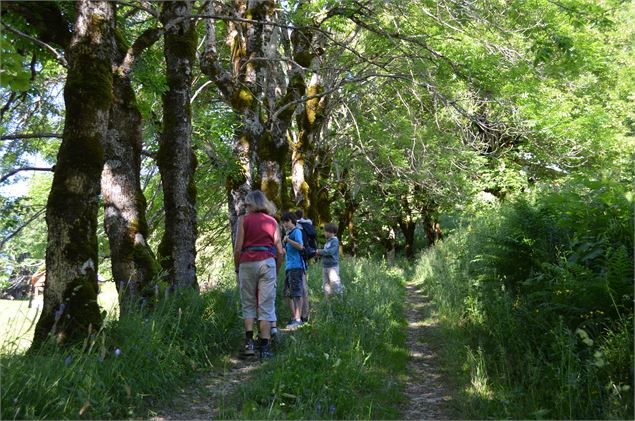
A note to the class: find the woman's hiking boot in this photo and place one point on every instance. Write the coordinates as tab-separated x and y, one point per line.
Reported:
250	348
265	351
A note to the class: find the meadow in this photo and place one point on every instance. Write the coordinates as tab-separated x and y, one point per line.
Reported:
18	317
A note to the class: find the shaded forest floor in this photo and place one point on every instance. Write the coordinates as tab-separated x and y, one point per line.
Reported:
426	394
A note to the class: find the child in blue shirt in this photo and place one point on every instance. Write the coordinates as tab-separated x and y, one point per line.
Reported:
293	284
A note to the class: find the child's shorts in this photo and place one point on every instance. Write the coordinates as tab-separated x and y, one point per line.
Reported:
293	284
331	280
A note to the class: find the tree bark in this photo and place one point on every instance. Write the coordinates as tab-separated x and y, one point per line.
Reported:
408	226
307	159
133	264
176	159
70	295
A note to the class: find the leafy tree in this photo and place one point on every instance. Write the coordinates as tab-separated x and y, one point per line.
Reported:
70	307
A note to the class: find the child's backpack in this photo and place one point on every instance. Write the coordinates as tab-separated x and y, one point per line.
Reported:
309	238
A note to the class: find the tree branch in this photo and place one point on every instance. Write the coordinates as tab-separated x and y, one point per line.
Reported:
17	170
59	57
146	7
21	227
30	136
143	42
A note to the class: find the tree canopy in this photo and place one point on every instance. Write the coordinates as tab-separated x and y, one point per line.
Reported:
380	116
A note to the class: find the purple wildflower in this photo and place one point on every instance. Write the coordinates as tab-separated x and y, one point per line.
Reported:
117	352
333	409
59	311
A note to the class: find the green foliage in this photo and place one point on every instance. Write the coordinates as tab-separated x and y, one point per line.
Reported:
345	363
13	75
130	363
540	292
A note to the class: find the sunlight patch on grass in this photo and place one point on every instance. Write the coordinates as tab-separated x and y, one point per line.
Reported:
18	320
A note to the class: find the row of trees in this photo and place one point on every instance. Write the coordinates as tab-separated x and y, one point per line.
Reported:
374	114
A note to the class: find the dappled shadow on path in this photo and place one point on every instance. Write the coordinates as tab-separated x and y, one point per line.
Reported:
426	390
205	398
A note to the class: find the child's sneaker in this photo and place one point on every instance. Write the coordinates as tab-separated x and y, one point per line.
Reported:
294	324
250	348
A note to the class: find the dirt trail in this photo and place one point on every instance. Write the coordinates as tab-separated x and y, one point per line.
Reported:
426	393
427	396
203	399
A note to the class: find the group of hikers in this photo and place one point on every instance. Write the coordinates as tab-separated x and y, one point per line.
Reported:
260	250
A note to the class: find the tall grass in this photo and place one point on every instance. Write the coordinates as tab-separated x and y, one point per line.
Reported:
538	295
141	358
345	364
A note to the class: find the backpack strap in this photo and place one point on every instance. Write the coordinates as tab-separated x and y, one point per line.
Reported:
304	263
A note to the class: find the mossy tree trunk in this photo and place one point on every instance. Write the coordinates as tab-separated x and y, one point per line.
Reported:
134	266
239	89
262	93
176	158
70	309
308	159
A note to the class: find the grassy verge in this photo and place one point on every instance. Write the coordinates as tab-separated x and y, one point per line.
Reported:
139	359
535	301
345	364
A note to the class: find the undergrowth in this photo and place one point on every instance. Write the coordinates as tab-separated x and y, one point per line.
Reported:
536	300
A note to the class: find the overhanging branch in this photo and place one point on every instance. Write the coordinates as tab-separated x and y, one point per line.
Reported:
19	136
17	170
21	227
58	56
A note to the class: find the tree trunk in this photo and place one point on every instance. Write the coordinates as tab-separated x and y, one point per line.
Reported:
262	94
70	309
312	193
176	159
133	264
407	225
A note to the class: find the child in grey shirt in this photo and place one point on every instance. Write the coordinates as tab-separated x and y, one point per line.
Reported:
330	261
